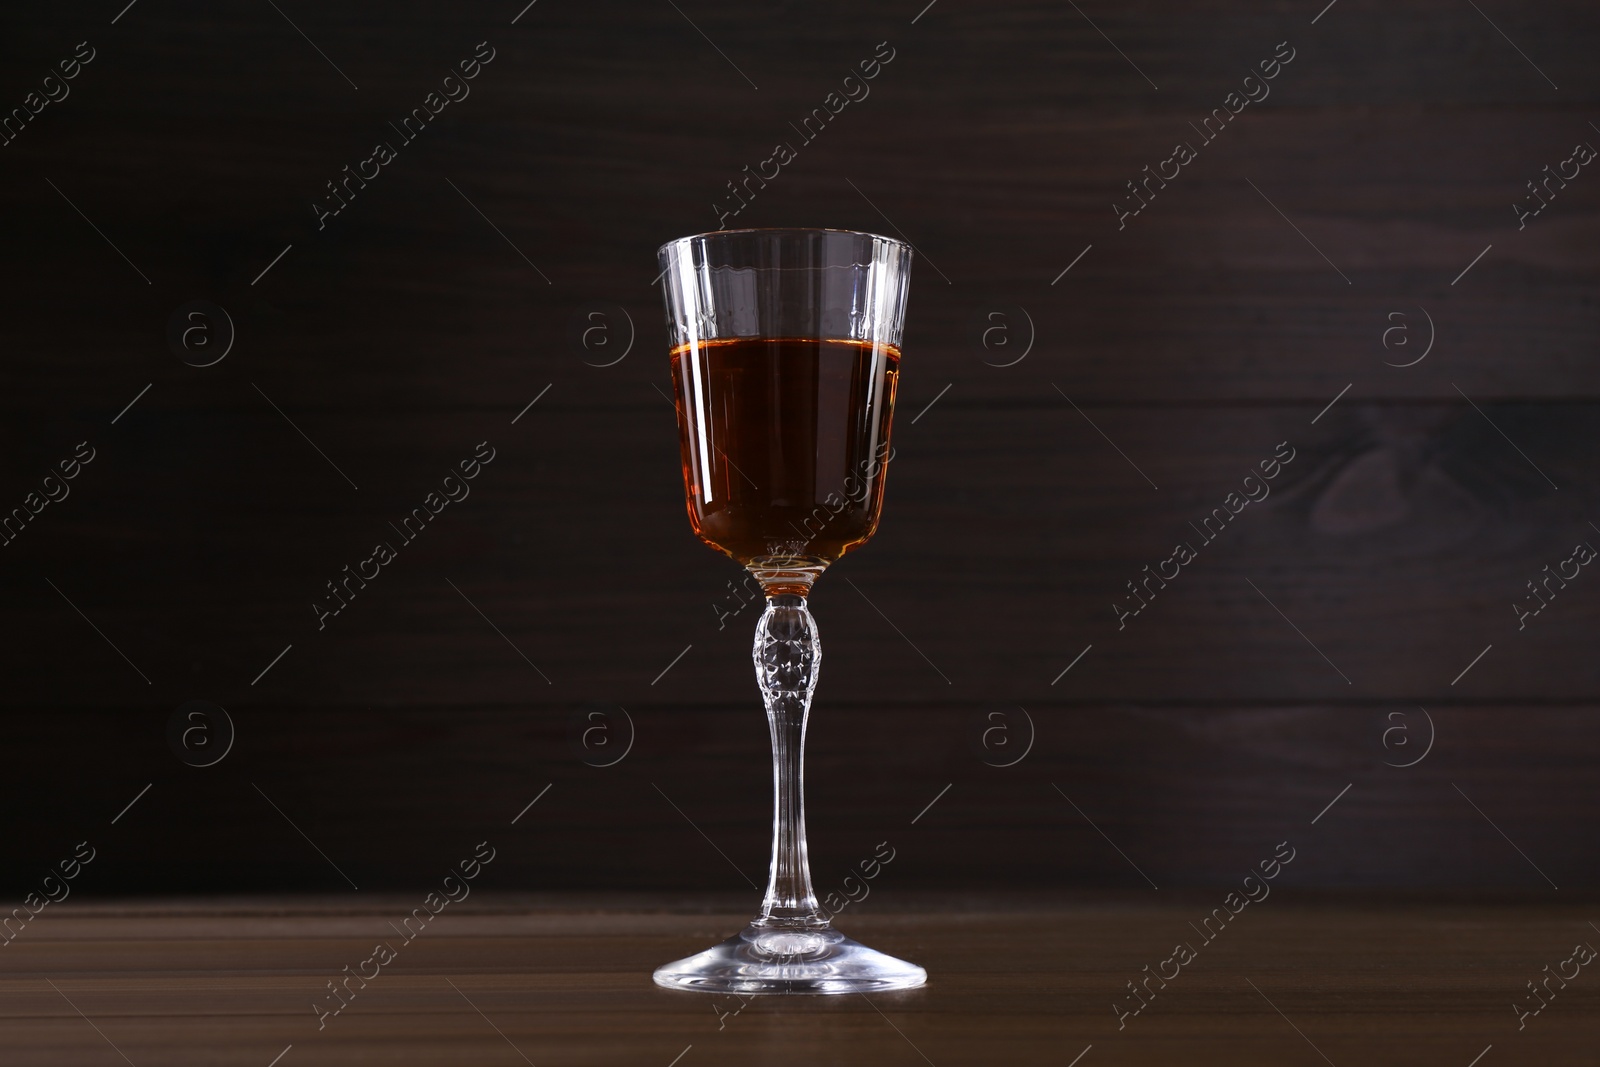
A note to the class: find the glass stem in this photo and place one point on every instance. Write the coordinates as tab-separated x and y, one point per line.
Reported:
787	657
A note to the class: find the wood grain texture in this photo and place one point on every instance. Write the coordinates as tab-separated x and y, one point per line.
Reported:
1247	305
1121	796
996	140
1020	980
1396	541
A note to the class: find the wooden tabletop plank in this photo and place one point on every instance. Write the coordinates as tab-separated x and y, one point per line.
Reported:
1358	979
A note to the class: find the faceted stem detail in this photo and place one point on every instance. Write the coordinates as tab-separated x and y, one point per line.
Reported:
788	656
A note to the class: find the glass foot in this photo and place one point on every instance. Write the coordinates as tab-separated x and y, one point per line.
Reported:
768	960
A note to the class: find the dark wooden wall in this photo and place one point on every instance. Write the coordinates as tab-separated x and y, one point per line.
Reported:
1220	321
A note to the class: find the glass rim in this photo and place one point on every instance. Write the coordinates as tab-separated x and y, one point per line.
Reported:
775	230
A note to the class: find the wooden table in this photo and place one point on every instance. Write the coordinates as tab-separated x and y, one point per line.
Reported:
1297	979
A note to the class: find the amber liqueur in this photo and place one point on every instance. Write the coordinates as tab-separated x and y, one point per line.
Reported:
785	446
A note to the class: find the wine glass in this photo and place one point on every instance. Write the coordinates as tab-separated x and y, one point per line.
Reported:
785	355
